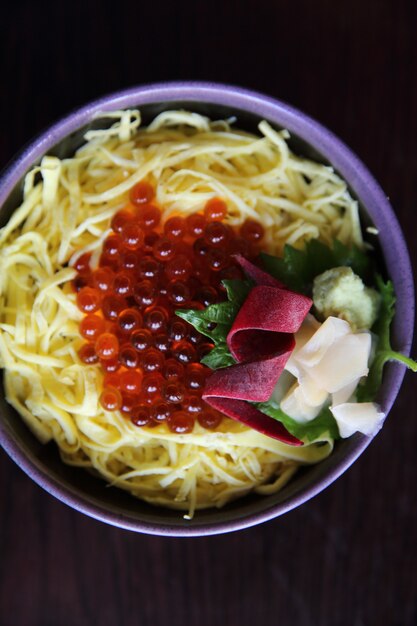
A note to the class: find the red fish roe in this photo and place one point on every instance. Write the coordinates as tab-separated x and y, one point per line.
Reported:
102	279
111	399
128	356
181	422
252	231
148	269
215	210
141	193
107	346
120	219
88	354
91	326
82	264
195	224
175	228
88	299
150	216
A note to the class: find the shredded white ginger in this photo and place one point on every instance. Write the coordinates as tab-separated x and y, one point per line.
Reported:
66	211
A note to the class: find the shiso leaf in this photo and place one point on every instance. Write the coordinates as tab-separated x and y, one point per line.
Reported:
384	352
297	269
323	424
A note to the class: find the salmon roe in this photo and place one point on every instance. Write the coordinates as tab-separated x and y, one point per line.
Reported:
148	268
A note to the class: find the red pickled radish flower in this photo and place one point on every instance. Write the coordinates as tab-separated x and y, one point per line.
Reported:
250	416
261	340
256	274
268	317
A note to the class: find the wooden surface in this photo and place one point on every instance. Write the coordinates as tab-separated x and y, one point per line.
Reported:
347	558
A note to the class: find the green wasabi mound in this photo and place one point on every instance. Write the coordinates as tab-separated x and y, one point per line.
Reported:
339	292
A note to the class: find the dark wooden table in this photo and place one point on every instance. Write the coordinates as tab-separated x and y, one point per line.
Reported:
347	558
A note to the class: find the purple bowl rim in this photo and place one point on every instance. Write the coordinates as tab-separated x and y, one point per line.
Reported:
350	167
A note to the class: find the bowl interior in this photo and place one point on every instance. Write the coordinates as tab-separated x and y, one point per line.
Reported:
91	495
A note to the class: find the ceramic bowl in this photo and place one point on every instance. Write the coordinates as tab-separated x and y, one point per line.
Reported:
90	495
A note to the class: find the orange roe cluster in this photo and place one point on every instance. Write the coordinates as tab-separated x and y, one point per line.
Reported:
147	270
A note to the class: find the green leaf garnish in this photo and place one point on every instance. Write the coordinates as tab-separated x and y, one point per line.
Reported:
384	352
237	291
198	319
323	424
218	357
297	269
216	320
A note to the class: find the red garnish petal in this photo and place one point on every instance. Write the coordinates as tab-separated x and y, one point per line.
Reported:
250	416
256	274
266	309
261	340
253	381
